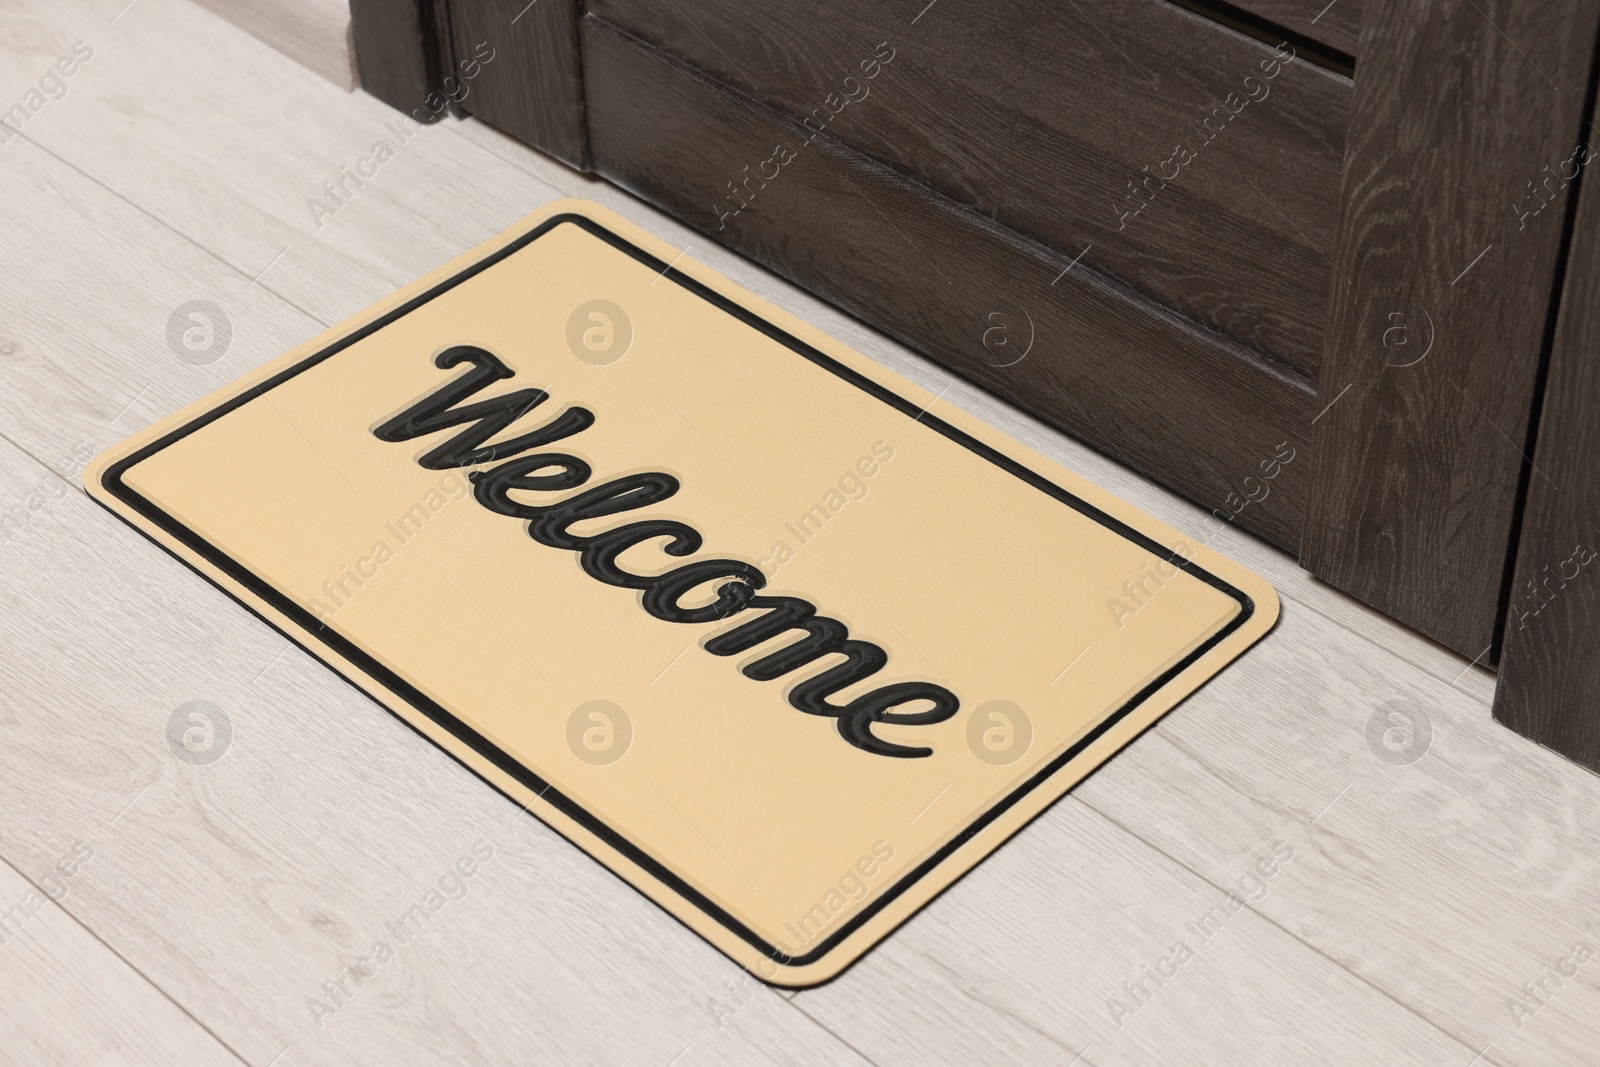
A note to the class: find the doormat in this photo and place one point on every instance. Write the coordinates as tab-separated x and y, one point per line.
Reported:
778	637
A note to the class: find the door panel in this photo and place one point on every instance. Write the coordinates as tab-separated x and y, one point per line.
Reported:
1070	123
1187	407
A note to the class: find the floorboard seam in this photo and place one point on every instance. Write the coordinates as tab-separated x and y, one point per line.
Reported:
82	925
165	225
1415	1012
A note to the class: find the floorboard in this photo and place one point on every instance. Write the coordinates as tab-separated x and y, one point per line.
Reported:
69	1000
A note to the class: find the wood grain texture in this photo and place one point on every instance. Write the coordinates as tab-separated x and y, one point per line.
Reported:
533	88
69	1000
397	52
1549	674
1028	953
1083	352
1334	24
1052	119
316	33
258	196
1459	110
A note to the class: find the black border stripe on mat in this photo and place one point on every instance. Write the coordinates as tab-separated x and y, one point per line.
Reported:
114	484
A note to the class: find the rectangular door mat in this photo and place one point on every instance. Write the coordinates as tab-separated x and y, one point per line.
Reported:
767	630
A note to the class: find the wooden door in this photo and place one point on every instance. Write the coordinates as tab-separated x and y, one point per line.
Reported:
1297	267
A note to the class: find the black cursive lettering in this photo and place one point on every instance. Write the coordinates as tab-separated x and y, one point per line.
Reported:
733	583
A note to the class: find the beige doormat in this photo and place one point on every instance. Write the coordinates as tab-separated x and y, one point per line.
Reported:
770	632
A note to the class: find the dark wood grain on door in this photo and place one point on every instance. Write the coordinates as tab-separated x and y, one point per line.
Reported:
399	53
1070	123
532	88
1335	24
1191	408
1549	686
1440	301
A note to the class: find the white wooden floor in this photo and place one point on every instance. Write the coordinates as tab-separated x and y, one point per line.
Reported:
1426	913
